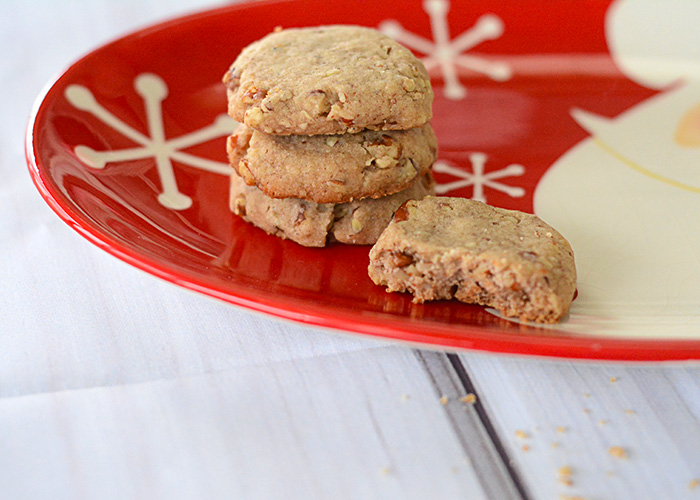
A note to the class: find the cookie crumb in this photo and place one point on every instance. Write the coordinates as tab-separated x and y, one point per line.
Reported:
555	445
566	470
469	398
617	452
521	434
586	395
277	29
443	400
561	429
586	410
566	481
526	447
630	412
613	379
564	475
602	421
384	471
405	397
693	484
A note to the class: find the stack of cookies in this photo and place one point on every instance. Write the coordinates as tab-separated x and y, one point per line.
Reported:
333	133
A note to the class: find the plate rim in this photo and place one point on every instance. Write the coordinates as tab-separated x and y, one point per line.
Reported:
557	346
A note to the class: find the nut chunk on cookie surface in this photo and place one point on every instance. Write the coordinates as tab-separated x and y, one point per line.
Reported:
440	248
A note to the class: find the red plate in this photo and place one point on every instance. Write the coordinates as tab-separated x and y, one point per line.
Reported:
128	147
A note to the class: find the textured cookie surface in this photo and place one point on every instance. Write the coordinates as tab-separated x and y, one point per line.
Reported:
314	224
328	80
332	168
440	248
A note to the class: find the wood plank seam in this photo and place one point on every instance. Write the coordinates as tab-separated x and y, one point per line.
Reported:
485	420
473	429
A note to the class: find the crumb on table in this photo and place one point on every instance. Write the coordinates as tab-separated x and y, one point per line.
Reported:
469	398
617	452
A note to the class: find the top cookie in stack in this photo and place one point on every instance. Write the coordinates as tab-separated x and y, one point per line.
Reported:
334	133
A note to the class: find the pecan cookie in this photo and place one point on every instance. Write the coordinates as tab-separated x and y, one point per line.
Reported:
441	247
332	168
314	224
328	80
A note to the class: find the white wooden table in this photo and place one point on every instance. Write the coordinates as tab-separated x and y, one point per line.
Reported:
114	384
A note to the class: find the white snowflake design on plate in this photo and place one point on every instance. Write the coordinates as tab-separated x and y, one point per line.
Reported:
478	179
153	91
449	54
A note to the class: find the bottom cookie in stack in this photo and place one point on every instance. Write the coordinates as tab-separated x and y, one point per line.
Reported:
359	222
